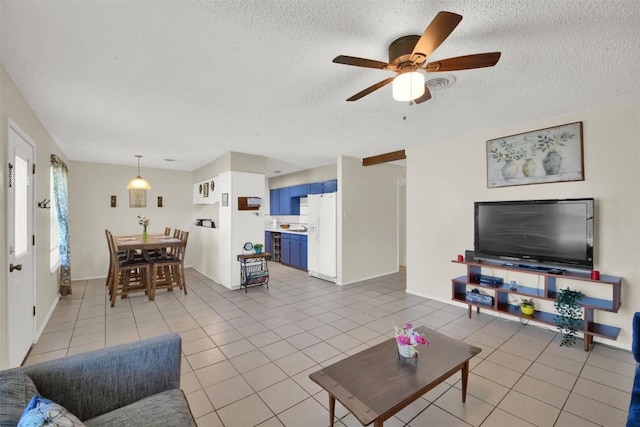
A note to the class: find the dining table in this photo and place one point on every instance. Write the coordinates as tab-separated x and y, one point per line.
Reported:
134	242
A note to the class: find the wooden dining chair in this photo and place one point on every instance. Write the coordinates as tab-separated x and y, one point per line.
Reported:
168	270
127	275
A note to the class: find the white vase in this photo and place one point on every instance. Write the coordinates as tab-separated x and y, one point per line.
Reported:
407	351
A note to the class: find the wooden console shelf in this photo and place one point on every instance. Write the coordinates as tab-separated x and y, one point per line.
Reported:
547	292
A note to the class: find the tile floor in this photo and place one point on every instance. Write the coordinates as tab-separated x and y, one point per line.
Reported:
247	356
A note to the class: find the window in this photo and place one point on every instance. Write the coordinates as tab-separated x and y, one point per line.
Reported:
54	242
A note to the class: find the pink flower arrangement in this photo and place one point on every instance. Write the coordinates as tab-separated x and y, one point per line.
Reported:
405	335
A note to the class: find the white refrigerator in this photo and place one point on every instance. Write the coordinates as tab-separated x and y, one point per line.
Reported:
322	236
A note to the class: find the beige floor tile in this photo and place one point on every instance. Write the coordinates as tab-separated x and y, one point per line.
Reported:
272	422
321	352
486	390
540	390
497	373
278	349
197	346
602	393
412	410
303	340
295	363
435	416
226	337
608	378
283	395
473	411
199	403
343	342
595	411
237	348
531	410
249	411
511	361
248	361
303	380
308	413
192	335
215	373
264	338
264	376
500	418
43	357
189	382
551	375
209	420
558	362
228	391
567	419
96	345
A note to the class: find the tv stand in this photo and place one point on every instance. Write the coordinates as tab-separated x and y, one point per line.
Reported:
501	294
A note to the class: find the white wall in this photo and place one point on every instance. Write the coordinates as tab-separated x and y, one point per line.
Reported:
368	226
445	178
90	188
13	105
236	226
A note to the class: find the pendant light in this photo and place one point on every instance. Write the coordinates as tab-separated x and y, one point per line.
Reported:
138	183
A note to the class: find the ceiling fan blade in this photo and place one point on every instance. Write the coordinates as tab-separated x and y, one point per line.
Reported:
437	31
360	62
370	89
468	62
425	96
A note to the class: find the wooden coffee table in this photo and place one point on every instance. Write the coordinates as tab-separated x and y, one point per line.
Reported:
375	384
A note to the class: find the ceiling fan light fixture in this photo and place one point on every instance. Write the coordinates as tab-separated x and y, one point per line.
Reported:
138	183
408	86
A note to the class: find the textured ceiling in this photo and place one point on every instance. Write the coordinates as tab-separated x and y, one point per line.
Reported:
192	80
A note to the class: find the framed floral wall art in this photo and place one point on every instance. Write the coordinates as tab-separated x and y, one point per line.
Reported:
137	199
545	155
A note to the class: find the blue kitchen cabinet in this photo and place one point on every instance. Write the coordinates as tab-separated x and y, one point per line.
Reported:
268	242
330	186
316	188
294	248
274	202
285	248
284	201
303	252
299	190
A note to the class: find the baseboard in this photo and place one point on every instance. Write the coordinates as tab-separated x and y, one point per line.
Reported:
47	318
362	279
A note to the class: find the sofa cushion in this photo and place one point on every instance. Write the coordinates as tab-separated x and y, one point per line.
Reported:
169	408
41	412
16	390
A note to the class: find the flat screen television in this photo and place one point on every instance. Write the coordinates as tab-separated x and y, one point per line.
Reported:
558	232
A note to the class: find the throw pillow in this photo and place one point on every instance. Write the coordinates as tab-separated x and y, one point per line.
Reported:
42	412
16	389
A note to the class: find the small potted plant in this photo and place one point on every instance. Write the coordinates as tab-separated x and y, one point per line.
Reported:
527	306
258	248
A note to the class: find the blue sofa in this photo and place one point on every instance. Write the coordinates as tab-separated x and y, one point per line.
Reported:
634	407
134	384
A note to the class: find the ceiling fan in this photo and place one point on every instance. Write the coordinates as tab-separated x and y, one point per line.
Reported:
407	56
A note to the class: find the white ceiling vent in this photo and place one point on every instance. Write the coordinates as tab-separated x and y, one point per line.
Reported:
440	82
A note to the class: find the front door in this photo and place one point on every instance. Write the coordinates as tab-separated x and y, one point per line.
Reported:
20	241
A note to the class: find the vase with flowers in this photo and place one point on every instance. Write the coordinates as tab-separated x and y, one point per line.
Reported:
143	221
408	340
